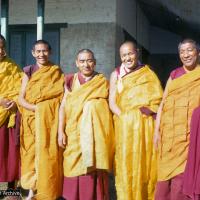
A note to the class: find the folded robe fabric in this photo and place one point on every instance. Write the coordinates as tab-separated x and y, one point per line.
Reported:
89	128
135	157
10	79
183	97
41	159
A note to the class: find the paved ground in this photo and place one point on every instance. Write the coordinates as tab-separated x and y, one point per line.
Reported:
112	192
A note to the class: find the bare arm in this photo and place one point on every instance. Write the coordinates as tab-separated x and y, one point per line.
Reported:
62	122
112	94
22	100
158	117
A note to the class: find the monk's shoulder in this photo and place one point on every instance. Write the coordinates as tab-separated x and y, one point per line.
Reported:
68	78
115	73
150	70
56	67
179	71
10	63
151	74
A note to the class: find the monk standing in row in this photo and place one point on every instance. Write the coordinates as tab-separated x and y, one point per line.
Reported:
135	94
41	93
172	134
10	83
86	132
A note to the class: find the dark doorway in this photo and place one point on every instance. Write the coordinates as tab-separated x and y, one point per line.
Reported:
21	39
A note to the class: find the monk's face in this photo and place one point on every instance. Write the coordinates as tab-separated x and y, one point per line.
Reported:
2	50
129	55
85	63
41	53
189	55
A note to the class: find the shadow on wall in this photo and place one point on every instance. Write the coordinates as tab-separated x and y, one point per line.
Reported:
163	64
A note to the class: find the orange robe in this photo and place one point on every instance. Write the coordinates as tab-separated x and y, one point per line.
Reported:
41	159
10	78
10	83
135	156
89	128
183	96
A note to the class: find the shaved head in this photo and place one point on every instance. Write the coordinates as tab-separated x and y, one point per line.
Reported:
129	54
85	51
128	43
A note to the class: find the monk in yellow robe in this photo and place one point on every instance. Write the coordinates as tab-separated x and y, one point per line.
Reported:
135	93
86	132
172	133
40	97
10	83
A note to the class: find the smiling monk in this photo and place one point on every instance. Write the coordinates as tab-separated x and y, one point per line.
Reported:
172	133
135	93
41	93
86	132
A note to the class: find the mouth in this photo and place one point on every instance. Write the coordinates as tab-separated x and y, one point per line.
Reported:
188	60
42	59
87	69
129	63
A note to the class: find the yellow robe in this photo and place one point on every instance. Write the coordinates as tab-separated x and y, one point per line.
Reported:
41	159
10	83
183	96
135	157
89	128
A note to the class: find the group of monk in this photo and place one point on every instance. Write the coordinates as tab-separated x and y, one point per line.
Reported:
61	135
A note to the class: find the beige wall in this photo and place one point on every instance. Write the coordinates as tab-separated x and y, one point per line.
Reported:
63	11
22	11
100	38
91	24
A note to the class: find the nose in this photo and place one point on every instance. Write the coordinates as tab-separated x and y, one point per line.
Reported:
85	64
127	57
185	54
41	53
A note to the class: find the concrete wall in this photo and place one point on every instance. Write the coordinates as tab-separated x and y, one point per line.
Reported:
118	41
100	38
163	52
131	18
63	11
22	12
91	24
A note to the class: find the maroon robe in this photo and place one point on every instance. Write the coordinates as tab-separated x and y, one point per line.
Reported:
191	182
9	144
9	151
29	70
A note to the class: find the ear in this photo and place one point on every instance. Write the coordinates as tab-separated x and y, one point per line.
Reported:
76	63
33	53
